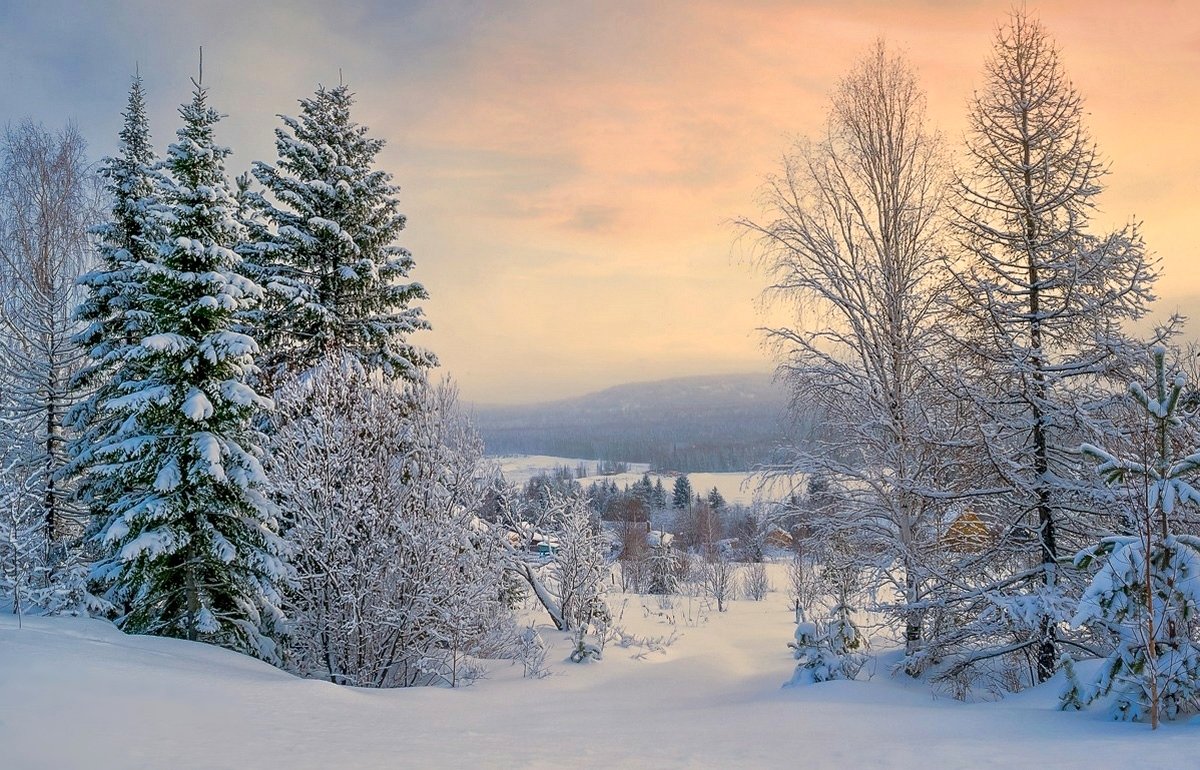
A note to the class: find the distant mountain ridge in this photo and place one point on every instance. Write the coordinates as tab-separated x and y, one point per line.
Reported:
687	424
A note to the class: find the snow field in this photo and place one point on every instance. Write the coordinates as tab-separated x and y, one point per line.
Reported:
78	693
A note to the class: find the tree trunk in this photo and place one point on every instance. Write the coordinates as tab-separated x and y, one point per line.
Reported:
193	597
543	595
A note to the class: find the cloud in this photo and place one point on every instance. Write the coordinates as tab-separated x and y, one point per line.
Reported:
569	168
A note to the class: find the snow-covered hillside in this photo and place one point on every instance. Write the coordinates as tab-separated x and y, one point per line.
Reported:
79	694
706	423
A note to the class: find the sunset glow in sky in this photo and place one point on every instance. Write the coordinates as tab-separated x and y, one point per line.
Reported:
569	169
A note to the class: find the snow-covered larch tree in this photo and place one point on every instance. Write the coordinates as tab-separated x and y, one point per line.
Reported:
855	245
192	546
1146	594
1041	345
325	250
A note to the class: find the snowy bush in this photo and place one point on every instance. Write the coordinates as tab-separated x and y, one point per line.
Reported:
579	575
399	583
720	577
531	652
21	549
836	651
804	583
755	581
662	566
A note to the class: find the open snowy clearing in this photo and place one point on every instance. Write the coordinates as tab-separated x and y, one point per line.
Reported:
78	693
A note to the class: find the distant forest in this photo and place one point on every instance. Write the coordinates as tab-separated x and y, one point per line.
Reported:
688	425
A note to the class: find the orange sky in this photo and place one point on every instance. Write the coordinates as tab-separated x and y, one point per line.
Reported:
569	169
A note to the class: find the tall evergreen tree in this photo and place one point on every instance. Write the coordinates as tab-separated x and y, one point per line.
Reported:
193	544
325	249
660	495
682	493
111	310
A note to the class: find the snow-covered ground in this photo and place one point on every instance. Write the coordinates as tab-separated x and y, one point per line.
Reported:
737	487
79	694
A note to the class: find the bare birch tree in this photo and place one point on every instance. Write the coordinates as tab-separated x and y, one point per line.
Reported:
49	200
854	243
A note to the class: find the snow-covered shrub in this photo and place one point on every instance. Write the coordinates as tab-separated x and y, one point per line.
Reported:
21	549
579	574
834	651
804	583
571	580
531	652
37	574
755	581
586	648
662	566
399	583
720	577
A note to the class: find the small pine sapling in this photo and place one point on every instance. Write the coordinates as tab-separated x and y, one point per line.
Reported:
835	652
1145	593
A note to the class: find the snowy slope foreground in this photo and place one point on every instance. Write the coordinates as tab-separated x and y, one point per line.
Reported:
79	694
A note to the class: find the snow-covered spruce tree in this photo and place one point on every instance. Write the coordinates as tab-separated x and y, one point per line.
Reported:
681	494
325	252
398	581
855	246
192	547
1146	593
112	309
660	496
49	199
828	643
1040	343
663	566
